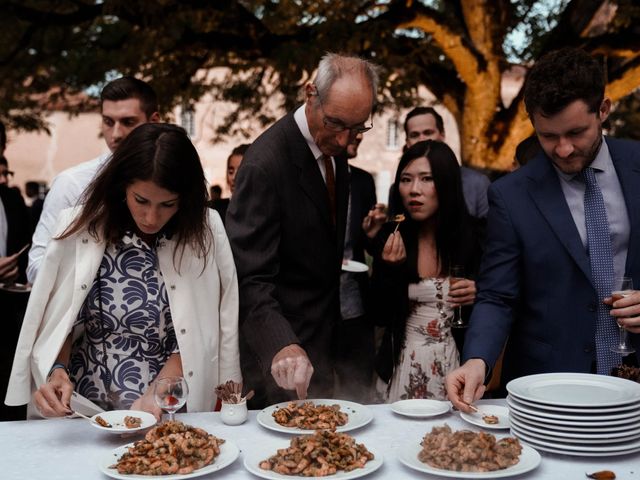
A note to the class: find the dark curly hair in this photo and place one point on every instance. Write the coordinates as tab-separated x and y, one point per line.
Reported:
562	77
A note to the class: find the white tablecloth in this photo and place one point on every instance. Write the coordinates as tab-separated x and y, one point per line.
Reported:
68	449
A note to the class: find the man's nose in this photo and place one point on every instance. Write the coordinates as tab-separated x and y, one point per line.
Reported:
343	138
564	148
118	131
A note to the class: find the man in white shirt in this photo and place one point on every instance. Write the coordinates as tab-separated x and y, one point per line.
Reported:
125	103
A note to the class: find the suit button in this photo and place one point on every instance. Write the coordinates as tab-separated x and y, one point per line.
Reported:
84	240
83	286
592	307
183	331
172	287
190	374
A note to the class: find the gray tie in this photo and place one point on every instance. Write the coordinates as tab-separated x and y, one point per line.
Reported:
601	259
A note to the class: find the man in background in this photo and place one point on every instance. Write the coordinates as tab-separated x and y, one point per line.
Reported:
353	344
425	123
125	103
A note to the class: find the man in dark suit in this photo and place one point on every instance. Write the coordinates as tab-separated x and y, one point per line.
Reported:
548	268
286	224
353	342
15	233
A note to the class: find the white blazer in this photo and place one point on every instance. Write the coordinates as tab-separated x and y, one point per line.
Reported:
204	310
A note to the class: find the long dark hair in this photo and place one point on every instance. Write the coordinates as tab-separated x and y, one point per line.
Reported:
157	152
453	224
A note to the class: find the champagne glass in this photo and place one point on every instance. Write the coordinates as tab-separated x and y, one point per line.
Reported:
171	394
457	274
622	287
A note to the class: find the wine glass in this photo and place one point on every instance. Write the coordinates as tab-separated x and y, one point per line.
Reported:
622	287
171	394
457	274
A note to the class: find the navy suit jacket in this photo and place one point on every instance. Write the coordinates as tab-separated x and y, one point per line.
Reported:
535	286
288	255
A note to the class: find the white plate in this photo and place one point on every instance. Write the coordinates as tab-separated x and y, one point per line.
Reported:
574	439
579	428
578	422
253	459
476	418
229	451
616	449
577	454
116	419
582	436
359	416
575	389
408	454
586	417
419	408
585	410
355	267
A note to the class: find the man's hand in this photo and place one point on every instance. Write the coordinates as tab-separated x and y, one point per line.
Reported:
465	384
462	292
374	220
53	398
394	251
9	268
627	311
292	369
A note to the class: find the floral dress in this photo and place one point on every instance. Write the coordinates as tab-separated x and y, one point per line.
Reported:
429	352
131	324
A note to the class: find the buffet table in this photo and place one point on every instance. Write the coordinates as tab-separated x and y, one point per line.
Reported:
69	449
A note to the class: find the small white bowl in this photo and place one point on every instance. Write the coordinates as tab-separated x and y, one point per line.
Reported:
234	413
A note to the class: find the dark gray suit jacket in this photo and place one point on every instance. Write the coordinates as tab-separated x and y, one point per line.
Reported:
288	254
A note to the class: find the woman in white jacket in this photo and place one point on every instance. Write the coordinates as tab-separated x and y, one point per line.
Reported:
138	284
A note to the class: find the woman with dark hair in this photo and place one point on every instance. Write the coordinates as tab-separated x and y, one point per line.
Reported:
413	297
138	284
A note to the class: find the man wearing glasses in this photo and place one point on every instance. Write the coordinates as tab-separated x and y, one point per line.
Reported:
286	224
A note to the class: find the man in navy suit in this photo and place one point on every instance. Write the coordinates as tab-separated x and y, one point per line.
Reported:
536	287
286	224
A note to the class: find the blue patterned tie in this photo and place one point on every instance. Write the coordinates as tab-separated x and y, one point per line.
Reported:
601	259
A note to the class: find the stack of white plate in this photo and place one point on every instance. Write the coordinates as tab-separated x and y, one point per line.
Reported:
576	413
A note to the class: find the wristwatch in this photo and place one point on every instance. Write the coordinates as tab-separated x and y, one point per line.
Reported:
56	366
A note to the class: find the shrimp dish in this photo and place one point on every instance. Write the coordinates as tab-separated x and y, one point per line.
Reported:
308	416
170	448
318	455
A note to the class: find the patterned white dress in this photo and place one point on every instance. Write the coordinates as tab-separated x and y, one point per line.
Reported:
429	352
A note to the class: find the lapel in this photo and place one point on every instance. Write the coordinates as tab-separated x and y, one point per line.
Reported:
627	165
546	192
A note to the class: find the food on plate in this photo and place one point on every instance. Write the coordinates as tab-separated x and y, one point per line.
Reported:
102	422
628	372
467	451
308	416
132	422
170	448
490	419
602	475
323	453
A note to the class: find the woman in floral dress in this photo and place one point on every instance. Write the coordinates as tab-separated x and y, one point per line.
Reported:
139	283
411	290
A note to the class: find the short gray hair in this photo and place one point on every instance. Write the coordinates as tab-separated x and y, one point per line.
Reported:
333	66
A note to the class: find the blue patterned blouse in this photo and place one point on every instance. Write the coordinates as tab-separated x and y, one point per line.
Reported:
135	326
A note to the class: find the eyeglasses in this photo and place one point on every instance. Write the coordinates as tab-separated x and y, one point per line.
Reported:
337	126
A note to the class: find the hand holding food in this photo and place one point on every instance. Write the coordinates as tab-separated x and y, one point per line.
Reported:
394	251
465	384
292	370
376	217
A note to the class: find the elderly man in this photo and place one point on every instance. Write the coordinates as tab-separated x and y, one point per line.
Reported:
125	103
560	229
286	223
